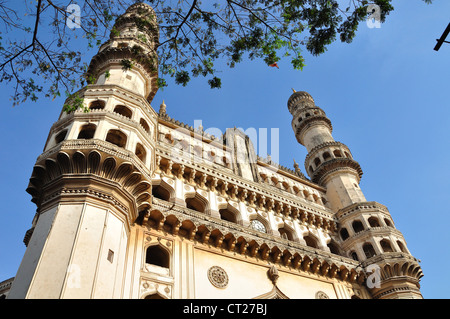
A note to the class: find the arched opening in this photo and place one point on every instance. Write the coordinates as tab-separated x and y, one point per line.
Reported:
386	246
97	105
357	226
388	222
228	215
61	136
140	152
373	221
145	125
286	233
337	153
326	156
402	247
195	204
344	233
354	256
369	251
116	137
158	256
317	161
160	192
87	131
123	110
310	241
334	248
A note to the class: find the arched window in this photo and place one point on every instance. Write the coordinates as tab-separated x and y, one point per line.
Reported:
354	256
337	153
386	246
228	215
310	241
141	152
326	156
344	233
117	138
97	105
123	110
357	226
401	246
61	136
334	248
373	221
195	204
368	250
87	131
160	192
286	233
317	161
158	256
388	222
144	125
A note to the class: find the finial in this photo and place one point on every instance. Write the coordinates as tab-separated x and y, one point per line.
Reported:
162	108
294	90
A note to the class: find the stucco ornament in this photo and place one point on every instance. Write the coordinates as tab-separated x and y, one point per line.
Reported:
218	277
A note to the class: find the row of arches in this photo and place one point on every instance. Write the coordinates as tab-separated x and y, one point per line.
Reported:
385	247
326	156
114	136
119	109
357	226
231	214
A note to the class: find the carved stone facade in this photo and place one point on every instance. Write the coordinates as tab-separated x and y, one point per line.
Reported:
134	204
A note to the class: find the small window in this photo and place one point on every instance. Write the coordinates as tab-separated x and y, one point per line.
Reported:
145	125
368	250
373	221
97	105
158	256
317	161
141	152
123	110
110	256
87	131
160	192
386	246
117	137
227	215
344	233
357	226
326	156
354	256
337	153
61	136
311	242
195	204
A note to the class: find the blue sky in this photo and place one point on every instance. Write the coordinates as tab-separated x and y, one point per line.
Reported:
386	94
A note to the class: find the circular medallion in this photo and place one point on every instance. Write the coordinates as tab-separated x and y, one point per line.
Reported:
218	277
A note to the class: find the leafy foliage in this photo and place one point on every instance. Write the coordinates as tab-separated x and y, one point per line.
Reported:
194	35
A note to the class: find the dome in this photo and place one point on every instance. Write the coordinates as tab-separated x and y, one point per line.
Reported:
298	98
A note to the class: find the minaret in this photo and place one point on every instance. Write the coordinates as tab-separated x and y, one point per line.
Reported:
366	229
329	163
93	180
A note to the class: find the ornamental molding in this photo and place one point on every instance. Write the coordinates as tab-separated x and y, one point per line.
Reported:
218	277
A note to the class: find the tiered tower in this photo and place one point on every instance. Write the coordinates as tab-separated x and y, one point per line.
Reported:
93	179
366	228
